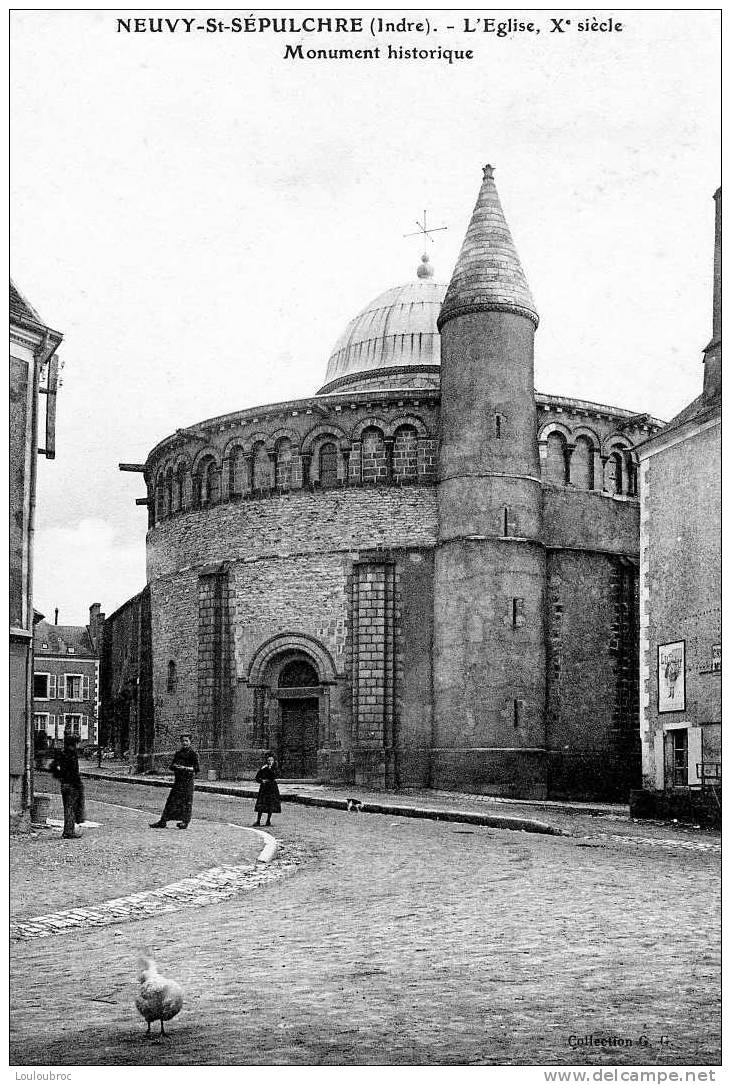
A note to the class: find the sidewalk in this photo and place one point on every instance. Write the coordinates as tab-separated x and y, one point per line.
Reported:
528	815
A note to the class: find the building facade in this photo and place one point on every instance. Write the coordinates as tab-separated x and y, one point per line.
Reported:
680	578
33	377
127	711
424	575
66	686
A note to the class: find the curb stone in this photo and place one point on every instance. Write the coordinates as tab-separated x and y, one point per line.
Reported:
494	821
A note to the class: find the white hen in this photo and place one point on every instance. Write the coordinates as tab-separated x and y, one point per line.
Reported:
160	999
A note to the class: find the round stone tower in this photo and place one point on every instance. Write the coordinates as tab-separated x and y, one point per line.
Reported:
490	568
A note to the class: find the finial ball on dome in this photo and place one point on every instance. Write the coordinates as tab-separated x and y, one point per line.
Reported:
425	270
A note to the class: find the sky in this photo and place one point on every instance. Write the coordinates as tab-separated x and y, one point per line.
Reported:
201	218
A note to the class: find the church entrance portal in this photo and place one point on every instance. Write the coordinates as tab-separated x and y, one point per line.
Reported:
300	718
298	751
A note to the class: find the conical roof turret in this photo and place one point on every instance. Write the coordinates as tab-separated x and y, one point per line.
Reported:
488	275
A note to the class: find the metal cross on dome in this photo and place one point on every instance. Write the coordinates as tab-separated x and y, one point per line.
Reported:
426	230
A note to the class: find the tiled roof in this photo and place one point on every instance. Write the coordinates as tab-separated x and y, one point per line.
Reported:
20	308
699	410
488	274
59	638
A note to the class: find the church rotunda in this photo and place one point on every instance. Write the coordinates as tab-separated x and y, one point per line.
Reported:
423	575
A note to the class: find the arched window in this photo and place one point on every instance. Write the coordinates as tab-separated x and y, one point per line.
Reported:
556	460
373	456
208	482
298	672
169	509
159	498
613	474
283	464
180	497
236	472
262	468
405	452
582	464
328	464
172	677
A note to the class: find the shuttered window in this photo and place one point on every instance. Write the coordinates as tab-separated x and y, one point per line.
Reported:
73	687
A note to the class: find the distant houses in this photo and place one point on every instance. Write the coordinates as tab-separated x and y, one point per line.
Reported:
66	686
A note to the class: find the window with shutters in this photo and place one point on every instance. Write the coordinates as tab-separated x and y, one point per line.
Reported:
40	687
40	721
72	724
74	687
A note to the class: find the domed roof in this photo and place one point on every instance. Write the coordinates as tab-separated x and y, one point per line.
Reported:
397	329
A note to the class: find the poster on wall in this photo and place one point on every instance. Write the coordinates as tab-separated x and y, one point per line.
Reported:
671	677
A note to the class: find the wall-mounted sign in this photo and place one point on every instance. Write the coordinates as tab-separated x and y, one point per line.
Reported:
671	677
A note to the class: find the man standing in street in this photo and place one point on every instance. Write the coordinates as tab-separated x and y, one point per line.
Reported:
180	800
66	770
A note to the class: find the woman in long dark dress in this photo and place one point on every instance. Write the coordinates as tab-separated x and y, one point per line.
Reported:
267	801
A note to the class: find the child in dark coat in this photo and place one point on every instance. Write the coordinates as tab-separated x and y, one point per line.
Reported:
267	801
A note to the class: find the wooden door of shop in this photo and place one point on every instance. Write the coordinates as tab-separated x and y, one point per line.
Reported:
300	722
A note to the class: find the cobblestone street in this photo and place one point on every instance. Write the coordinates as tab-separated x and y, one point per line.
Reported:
397	941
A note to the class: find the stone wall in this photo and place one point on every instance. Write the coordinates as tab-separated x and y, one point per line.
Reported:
681	574
127	709
592	710
262	542
289	563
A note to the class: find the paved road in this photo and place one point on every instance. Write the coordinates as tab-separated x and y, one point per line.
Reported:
400	942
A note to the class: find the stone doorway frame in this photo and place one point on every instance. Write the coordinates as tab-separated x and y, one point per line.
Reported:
263	674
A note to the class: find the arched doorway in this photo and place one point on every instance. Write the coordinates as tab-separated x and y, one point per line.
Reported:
298	690
291	676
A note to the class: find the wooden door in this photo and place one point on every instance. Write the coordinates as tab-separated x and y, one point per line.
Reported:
300	724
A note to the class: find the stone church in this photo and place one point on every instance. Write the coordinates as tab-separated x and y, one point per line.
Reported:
426	574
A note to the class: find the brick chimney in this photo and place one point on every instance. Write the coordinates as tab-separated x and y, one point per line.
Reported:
96	625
